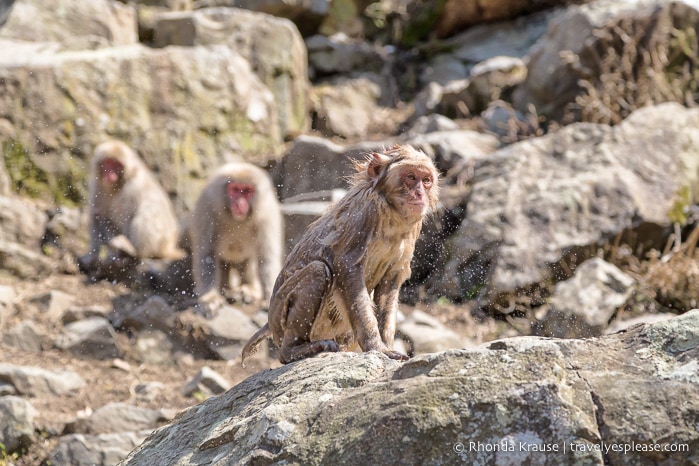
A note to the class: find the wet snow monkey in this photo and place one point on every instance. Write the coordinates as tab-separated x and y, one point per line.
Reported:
236	226
339	286
126	199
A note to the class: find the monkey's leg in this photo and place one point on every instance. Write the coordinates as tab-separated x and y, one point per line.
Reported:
302	294
250	286
212	282
386	301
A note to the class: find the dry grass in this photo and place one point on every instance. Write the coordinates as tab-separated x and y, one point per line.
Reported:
674	275
638	61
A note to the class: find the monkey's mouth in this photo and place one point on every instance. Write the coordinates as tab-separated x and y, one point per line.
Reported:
417	206
417	203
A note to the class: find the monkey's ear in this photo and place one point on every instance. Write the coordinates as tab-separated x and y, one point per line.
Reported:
377	162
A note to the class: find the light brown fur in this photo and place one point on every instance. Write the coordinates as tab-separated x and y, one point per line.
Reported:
220	243
339	286
136	206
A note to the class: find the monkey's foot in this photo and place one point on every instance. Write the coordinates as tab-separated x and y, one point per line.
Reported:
210	304
396	355
305	350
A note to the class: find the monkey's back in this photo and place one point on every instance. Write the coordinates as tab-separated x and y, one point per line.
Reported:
339	235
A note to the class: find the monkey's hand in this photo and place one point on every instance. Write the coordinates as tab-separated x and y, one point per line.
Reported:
209	304
383	348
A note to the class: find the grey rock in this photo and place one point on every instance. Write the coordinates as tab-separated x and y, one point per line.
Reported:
444	69
454	149
74	314
53	304
273	47
488	81
540	392
153	347
93	337
507	123
118	417
16	423
227	332
313	164
22	261
95	450
507	38
185	109
626	324
537	202
25	336
346	106
71	21
68	229
8	296
21	221
583	305
307	15
425	334
427	100
552	58
207	381
35	381
340	54
154	314
148	391
431	124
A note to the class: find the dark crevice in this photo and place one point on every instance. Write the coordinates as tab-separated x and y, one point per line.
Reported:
599	414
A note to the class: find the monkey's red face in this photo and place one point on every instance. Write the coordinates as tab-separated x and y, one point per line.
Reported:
417	183
111	171
240	197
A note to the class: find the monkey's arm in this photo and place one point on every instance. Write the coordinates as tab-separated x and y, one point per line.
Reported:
386	301
357	303
101	232
204	255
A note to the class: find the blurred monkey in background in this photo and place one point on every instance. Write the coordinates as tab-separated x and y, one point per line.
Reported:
236	236
128	209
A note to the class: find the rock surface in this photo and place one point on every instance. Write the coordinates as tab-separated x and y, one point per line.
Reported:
525	201
541	401
591	181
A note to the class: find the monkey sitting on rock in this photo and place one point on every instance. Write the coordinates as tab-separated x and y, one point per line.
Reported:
338	288
130	214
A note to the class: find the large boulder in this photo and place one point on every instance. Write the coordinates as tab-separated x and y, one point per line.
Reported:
523	400
577	69
184	109
546	200
273	47
75	23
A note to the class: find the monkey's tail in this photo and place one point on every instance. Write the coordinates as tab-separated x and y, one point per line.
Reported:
254	341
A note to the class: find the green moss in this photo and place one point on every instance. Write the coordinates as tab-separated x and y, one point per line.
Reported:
28	179
250	139
69	187
680	207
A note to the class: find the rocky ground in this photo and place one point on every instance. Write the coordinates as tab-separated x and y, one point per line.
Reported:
121	380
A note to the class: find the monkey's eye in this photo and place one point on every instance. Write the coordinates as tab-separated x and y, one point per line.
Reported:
411	177
427	181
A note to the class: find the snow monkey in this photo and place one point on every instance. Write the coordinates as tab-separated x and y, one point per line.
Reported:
126	199
339	286
236	226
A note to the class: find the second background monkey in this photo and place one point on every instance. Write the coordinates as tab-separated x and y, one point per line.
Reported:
236	236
